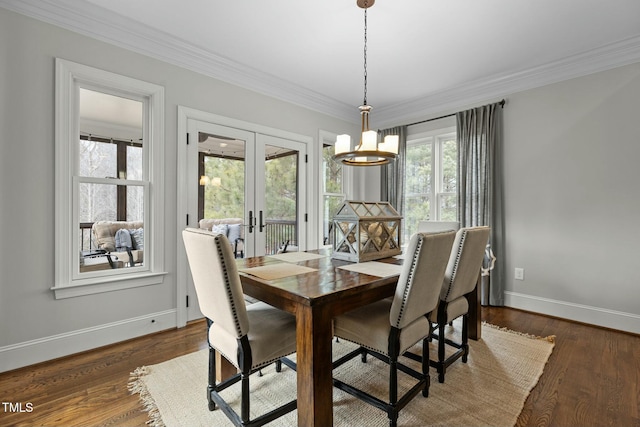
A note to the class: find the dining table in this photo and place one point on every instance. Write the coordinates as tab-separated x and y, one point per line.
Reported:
315	288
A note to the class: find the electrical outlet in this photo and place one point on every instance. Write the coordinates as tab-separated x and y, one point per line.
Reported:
519	274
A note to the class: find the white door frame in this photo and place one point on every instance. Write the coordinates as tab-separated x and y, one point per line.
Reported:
184	114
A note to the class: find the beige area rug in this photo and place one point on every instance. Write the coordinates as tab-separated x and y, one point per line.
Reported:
489	390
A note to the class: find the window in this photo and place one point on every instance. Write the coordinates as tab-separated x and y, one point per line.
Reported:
430	179
333	187
109	154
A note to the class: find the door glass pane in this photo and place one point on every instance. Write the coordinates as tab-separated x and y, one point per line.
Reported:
281	199
221	177
221	186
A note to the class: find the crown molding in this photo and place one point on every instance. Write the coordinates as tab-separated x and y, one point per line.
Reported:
604	58
104	25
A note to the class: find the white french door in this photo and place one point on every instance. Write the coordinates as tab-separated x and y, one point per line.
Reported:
260	178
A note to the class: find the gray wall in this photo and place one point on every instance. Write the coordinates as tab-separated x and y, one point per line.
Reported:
31	320
573	198
571	151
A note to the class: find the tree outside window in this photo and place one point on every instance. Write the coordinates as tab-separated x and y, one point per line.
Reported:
430	180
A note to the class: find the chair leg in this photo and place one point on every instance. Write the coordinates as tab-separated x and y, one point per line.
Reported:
244	409
393	392
212	378
278	365
425	366
465	338
441	365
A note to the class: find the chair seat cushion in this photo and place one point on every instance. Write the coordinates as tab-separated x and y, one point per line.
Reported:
272	335
369	326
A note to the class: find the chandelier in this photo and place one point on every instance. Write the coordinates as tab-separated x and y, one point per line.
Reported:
369	152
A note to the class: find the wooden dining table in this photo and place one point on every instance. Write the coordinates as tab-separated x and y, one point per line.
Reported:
315	295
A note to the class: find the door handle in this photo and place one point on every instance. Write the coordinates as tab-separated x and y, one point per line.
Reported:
250	221
262	226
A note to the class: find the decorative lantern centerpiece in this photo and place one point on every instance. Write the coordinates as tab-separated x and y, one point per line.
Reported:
366	231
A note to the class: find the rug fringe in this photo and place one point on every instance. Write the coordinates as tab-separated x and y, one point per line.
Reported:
550	338
137	386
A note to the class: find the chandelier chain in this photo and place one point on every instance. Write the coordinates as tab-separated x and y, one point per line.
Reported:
365	53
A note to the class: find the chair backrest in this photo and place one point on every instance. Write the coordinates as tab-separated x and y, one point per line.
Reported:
433	226
465	262
421	278
216	279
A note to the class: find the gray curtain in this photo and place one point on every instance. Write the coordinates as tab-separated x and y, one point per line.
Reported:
480	191
392	174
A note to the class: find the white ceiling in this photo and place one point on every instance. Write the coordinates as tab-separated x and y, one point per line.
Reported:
424	56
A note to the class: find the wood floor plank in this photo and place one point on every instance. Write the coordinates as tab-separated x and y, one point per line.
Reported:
592	377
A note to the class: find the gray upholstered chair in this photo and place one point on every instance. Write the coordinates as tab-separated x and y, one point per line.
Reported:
460	280
387	328
250	337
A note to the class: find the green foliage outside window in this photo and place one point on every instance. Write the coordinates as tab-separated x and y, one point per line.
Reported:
224	198
427	196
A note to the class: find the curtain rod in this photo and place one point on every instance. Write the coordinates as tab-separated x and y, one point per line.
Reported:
445	116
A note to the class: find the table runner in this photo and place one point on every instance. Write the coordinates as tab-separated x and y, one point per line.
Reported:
374	268
296	256
277	271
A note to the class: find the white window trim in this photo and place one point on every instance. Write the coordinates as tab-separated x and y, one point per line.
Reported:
69	77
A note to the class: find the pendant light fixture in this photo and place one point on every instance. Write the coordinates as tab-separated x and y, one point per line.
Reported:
369	151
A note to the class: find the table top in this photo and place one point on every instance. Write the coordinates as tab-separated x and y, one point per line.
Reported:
327	282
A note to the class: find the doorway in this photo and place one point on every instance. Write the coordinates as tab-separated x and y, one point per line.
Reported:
251	184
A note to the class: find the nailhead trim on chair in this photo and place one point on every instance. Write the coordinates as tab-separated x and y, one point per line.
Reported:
455	265
227	286
409	279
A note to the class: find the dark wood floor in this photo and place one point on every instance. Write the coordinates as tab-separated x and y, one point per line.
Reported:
592	378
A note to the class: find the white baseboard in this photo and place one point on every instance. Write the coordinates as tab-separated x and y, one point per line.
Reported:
35	351
612	319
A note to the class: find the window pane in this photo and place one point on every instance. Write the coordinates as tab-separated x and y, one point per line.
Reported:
134	163
97	202
449	165
135	203
417	208
419	168
331	204
98	159
448	207
331	171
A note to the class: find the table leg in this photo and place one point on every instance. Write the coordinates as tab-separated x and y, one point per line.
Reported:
224	368
315	384
475	313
